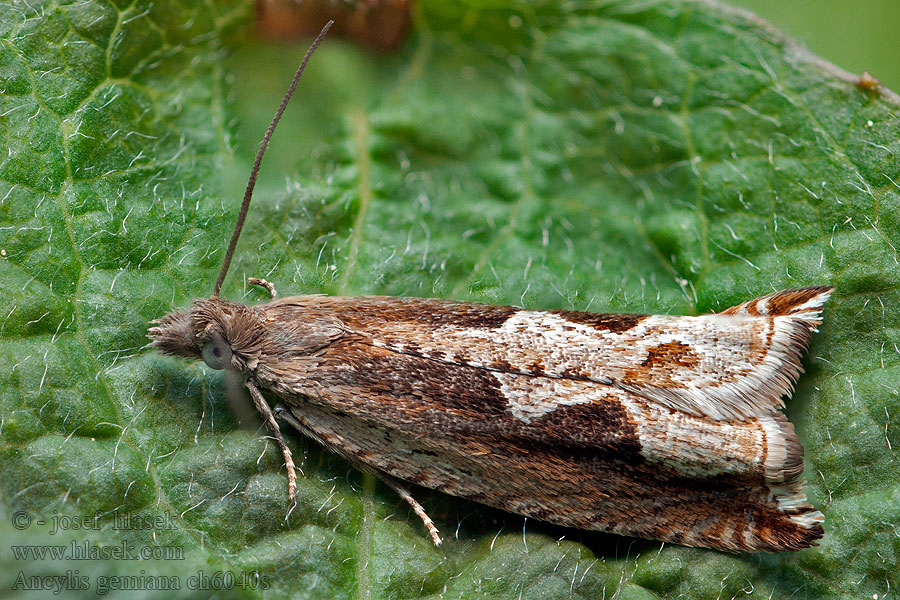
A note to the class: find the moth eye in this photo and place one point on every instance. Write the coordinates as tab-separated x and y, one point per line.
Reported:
216	354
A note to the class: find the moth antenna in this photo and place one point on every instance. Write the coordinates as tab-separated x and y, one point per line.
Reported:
251	183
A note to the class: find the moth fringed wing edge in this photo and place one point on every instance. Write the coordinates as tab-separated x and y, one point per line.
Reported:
796	314
804	306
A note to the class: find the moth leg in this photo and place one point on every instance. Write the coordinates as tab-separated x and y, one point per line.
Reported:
268	285
417	508
272	424
287	415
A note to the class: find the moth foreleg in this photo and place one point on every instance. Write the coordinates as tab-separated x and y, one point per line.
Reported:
417	508
272	424
268	285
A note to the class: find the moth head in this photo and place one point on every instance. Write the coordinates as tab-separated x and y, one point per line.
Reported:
223	334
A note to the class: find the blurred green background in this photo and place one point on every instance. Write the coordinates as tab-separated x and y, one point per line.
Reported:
856	36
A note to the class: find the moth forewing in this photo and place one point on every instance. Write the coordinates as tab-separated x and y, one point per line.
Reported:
660	427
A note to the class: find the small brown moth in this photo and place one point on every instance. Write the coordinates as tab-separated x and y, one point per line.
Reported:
662	427
868	82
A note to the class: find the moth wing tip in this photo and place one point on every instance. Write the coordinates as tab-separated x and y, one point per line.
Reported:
802	303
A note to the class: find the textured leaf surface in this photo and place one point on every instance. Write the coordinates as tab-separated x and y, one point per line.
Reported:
659	156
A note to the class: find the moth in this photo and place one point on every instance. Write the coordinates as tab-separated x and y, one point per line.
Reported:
660	427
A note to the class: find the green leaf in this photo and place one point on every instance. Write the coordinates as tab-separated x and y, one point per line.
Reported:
662	156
